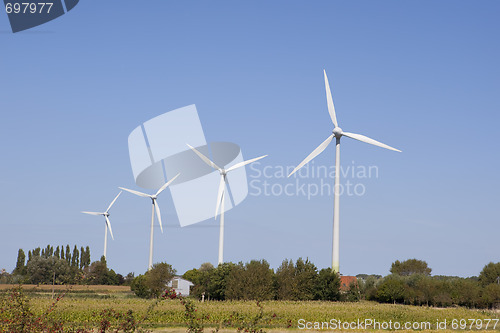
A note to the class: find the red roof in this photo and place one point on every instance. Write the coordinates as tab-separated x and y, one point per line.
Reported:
345	282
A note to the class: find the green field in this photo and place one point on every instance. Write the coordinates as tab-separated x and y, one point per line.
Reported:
82	305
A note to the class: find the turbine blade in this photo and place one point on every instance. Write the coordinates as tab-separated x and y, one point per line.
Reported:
166	184
136	192
220	194
315	153
329	101
109	226
205	159
111	204
157	208
366	139
92	213
239	165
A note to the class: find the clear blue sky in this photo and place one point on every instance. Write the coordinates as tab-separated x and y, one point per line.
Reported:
421	76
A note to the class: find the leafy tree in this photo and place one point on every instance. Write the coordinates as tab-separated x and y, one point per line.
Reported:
306	274
41	270
391	290
286	285
466	292
153	282
296	282
98	273
209	281
217	279
252	281
158	277
206	267
490	274
409	267
425	290
57	254
491	295
327	285
20	265
139	287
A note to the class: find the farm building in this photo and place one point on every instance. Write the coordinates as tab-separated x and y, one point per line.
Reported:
346	281
180	285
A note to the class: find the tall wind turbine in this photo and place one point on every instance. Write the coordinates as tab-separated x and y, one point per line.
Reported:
108	224
156	208
221	194
337	134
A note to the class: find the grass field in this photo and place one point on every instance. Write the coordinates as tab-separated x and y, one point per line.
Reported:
83	303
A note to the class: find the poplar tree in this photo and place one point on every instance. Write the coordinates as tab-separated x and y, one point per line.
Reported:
82	259
74	259
68	254
20	266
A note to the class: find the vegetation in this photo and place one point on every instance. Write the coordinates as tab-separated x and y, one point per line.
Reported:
79	311
61	266
153	283
410	283
410	267
255	280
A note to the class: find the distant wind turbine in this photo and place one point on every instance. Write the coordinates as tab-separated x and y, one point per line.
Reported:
221	194
337	134
108	224
154	207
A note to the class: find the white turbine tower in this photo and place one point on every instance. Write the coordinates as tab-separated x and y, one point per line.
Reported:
108	224
156	208
337	134
221	194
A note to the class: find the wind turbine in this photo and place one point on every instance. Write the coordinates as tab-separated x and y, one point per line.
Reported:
155	206
108	224
221	194
337	134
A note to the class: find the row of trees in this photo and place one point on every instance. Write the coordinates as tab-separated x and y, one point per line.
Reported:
412	283
255	280
62	266
77	258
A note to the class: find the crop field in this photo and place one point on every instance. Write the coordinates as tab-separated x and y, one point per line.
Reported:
82	305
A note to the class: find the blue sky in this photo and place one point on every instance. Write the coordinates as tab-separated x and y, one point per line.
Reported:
420	76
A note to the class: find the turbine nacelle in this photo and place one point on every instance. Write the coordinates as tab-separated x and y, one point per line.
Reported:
337	131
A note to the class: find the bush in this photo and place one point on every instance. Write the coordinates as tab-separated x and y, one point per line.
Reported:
154	282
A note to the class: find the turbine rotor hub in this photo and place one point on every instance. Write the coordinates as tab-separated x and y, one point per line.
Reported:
337	131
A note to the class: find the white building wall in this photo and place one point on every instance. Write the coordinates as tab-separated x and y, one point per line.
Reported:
182	286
